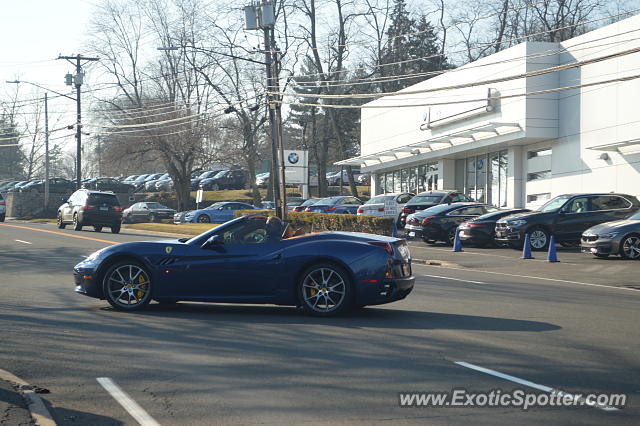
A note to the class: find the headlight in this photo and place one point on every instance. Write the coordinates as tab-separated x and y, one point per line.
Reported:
516	223
609	235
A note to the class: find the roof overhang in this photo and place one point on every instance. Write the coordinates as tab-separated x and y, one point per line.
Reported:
460	137
615	146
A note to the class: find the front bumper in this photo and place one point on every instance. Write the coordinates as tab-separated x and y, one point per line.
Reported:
599	247
508	234
413	230
86	283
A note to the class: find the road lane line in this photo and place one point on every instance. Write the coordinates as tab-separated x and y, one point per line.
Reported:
531	384
24	242
59	233
530	277
132	407
454	279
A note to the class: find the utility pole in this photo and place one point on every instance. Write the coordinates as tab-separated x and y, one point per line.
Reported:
46	152
77	79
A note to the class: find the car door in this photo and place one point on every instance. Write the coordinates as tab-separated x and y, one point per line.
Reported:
240	267
574	218
67	208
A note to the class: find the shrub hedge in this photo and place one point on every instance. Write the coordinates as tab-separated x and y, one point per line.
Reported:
315	222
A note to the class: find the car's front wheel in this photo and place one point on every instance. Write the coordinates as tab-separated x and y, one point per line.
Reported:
115	229
203	218
630	247
60	222
77	226
325	290
539	239
127	286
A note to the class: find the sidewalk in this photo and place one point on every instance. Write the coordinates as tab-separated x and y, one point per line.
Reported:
13	406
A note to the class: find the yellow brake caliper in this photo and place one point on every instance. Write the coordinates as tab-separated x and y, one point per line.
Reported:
140	293
313	291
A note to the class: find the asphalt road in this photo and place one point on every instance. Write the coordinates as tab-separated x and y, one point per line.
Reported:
205	364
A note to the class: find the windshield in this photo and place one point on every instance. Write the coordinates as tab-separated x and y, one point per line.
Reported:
426	199
221	174
213	206
554	204
377	200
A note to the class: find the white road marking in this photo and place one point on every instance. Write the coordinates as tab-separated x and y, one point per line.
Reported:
132	407
454	279
24	242
530	277
531	384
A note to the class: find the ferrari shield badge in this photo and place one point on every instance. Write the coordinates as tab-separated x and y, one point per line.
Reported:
168	249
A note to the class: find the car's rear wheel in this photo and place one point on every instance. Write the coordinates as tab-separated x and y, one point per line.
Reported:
60	222
539	239
115	229
97	228
203	218
451	236
127	286
152	217
325	290
77	226
630	247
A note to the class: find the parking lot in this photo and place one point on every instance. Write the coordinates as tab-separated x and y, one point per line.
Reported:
555	325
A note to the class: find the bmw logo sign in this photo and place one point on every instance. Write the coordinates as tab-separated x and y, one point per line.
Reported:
293	158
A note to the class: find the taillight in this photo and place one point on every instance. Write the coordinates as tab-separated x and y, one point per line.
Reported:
475	225
406	210
2	203
89	207
380	209
117	209
330	209
387	246
360	210
426	220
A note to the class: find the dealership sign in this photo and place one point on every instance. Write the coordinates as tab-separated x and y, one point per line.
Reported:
296	166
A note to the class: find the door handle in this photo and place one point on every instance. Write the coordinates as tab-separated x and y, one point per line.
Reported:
277	256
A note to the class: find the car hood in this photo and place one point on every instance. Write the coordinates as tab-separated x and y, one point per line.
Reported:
618	225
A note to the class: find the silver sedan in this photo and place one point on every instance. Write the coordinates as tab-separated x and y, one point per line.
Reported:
621	237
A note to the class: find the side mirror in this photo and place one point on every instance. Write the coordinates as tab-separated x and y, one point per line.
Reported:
214	240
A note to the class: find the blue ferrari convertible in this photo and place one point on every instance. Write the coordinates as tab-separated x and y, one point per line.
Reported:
252	259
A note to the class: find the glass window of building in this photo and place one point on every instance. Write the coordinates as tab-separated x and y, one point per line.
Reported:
397	181
404	180
380	184
389	182
413	180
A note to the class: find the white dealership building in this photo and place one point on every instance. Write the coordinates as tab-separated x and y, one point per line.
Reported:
518	127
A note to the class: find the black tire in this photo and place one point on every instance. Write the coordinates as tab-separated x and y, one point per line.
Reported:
127	278
335	282
539	239
77	226
630	246
97	228
2	218
60	223
115	229
152	217
203	218
451	236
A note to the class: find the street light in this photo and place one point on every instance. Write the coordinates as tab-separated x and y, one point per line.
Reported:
46	135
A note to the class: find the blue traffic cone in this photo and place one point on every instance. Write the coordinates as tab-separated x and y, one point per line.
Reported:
394	229
526	248
457	244
551	254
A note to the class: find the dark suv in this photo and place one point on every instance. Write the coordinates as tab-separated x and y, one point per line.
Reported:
91	208
227	179
566	217
427	199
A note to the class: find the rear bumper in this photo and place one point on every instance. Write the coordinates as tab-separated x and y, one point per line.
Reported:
88	219
387	291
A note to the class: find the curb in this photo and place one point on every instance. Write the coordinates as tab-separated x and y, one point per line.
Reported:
39	413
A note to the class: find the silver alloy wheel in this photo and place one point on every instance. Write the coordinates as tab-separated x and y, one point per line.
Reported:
538	239
203	218
631	247
323	290
128	286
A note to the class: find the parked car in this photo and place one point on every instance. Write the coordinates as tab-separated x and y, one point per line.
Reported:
195	182
108	184
216	213
150	184
91	208
566	217
262	179
147	212
439	223
376	205
341	204
620	237
293	202
56	185
227	179
305	204
15	187
364	179
3	208
481	230
165	185
342	178
427	199
7	185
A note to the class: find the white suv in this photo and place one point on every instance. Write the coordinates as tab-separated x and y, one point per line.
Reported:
3	208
